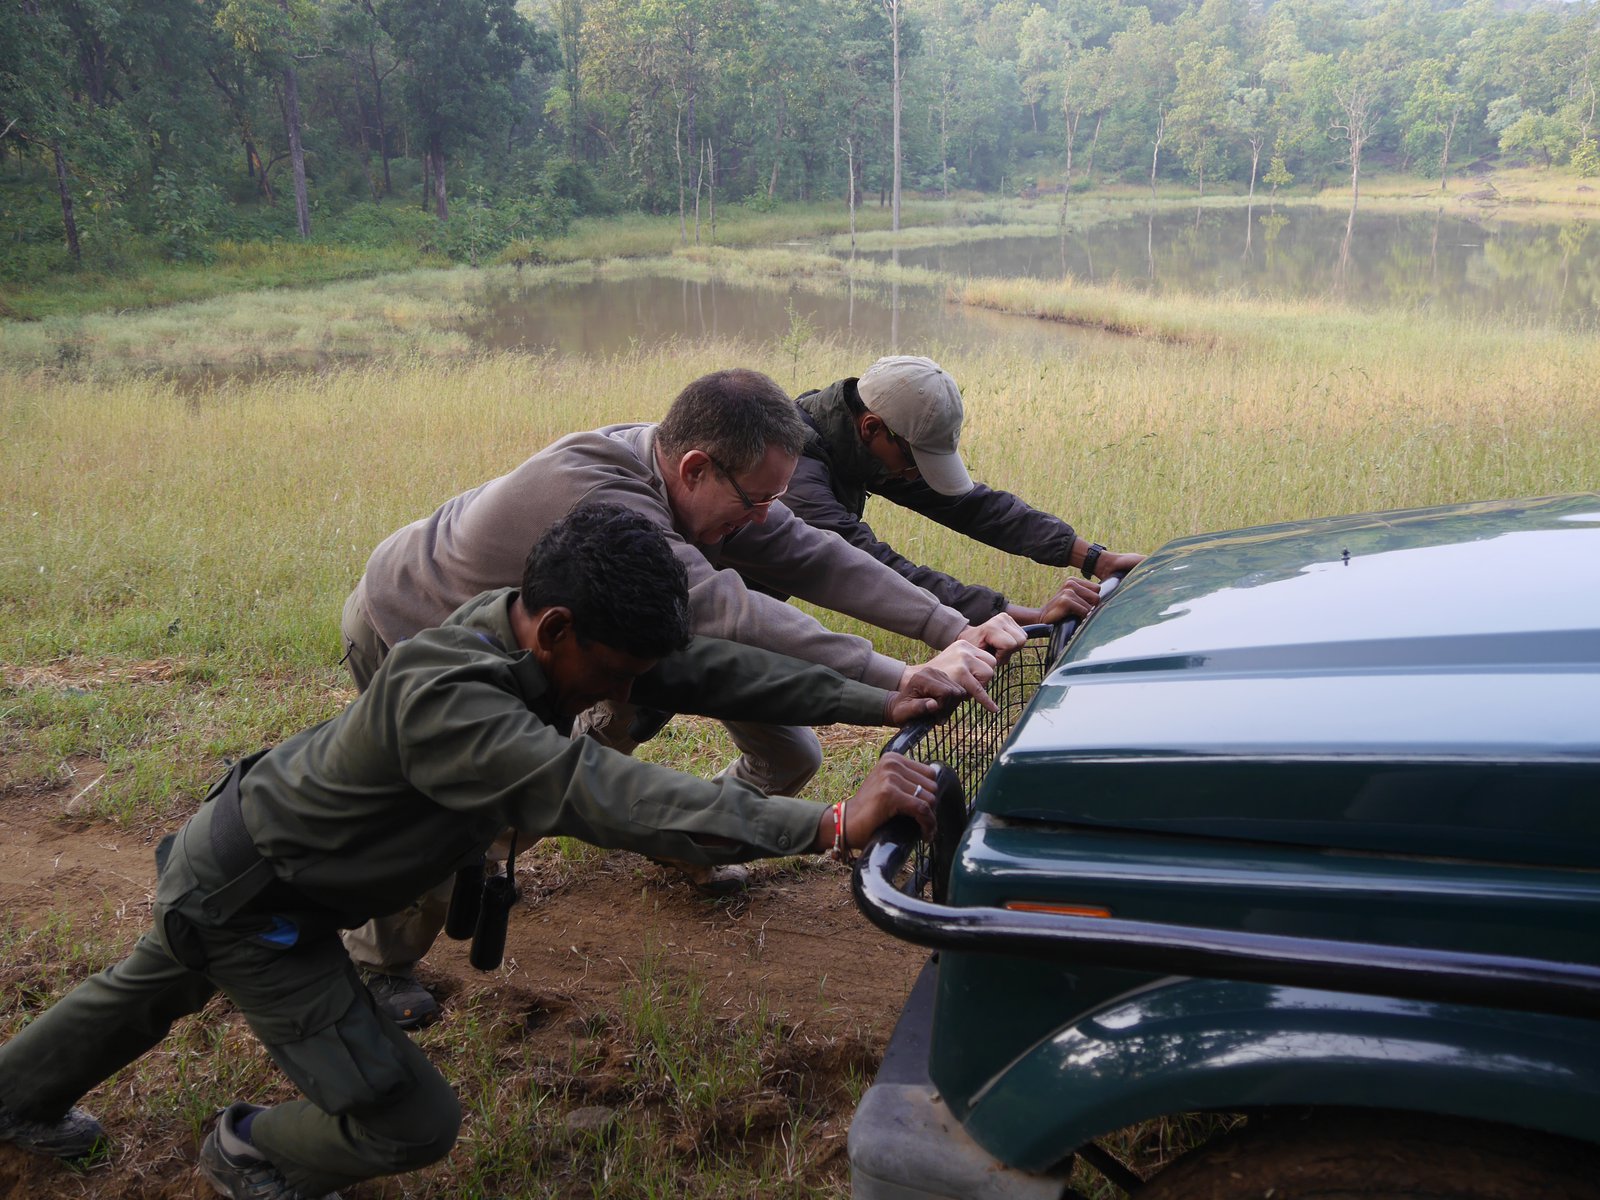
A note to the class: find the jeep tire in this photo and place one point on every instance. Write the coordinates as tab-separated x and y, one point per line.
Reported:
1342	1155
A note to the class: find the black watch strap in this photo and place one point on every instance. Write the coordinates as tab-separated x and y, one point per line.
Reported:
1091	559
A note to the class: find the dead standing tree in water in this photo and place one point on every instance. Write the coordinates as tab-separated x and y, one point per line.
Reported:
1354	124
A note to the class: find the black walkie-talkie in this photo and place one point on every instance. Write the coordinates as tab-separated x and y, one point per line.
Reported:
496	895
466	901
489	939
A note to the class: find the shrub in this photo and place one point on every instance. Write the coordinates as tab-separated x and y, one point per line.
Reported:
374	226
1586	158
564	179
186	213
481	228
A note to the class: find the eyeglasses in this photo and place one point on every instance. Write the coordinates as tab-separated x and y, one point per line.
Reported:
745	498
910	470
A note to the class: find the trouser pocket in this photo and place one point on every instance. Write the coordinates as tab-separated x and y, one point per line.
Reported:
374	1103
317	1020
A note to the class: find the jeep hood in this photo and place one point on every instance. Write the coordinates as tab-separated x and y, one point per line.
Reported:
1421	682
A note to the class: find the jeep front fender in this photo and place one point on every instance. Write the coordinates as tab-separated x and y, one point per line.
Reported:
1186	1045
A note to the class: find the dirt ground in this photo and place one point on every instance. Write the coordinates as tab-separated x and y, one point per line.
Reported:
576	940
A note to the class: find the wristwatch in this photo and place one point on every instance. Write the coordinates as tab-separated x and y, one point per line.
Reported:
1091	559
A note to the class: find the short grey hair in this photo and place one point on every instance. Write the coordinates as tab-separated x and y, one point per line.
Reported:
733	416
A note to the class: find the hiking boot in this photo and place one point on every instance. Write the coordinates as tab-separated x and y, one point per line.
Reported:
245	1176
711	882
71	1136
402	999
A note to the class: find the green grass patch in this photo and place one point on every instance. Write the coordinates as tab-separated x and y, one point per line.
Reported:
146	280
237	267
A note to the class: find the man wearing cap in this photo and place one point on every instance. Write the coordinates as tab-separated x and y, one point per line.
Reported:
894	432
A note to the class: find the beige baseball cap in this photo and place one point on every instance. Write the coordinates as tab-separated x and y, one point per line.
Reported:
920	403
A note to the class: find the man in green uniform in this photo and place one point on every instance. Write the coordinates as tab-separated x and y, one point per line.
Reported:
462	733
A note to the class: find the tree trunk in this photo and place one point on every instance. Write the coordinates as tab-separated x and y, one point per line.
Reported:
944	147
1071	123
850	169
364	122
1155	154
377	116
570	23
677	148
699	183
1093	142
68	221
441	201
777	150
1250	203
711	186
262	181
1355	200
689	143
1355	176
1444	156
894	25
297	156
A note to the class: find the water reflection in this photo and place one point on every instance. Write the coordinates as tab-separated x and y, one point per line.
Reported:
1452	261
609	316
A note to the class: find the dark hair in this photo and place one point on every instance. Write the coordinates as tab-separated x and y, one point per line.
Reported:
733	416
616	573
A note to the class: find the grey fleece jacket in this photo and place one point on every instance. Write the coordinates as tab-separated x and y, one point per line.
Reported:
480	539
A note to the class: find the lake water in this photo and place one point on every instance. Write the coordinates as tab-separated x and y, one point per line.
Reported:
1454	262
611	316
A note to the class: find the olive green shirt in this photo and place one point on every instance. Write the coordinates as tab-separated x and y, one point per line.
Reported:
457	739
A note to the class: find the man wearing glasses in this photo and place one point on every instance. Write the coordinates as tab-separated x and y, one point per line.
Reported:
894	432
711	476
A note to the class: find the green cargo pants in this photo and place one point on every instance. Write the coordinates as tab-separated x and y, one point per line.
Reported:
374	1103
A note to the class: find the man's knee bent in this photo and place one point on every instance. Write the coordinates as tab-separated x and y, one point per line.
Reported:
804	761
778	759
418	1129
364	650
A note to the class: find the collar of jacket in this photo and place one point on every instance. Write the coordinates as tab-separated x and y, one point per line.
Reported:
489	616
835	439
641	442
642	439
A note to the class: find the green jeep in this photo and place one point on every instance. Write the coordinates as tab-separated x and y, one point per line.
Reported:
1300	832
